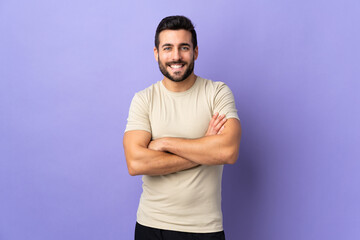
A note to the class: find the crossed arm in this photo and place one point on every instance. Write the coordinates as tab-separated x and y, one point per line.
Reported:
220	145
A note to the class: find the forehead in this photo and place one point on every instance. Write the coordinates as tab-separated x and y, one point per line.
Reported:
175	37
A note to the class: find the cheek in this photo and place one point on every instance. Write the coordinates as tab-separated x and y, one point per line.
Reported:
188	57
163	58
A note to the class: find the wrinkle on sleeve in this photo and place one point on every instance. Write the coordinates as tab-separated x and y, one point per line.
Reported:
224	102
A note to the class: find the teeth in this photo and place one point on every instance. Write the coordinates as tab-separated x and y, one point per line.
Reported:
175	66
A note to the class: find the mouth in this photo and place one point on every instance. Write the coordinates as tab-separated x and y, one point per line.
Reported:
176	66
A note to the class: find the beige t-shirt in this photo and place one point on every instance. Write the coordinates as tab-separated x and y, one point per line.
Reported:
189	200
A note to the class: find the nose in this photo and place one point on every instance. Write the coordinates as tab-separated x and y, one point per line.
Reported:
176	55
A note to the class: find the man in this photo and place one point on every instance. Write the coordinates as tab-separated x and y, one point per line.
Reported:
180	132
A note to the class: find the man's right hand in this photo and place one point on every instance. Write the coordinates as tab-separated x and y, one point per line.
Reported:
216	124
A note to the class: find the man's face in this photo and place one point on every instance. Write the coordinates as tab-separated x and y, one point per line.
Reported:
176	54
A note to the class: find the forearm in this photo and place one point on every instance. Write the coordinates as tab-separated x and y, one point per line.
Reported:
144	161
149	162
209	150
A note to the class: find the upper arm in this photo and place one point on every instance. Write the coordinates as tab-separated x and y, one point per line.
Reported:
135	138
138	130
231	136
134	142
224	103
232	128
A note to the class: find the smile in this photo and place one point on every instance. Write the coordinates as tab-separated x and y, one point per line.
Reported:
176	66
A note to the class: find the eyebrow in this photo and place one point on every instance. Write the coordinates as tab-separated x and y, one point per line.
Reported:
170	45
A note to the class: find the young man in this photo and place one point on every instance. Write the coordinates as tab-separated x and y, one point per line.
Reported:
180	133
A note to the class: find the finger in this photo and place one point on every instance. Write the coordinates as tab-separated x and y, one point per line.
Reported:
220	122
221	129
212	121
218	119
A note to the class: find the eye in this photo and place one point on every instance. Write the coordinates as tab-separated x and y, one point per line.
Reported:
166	48
184	48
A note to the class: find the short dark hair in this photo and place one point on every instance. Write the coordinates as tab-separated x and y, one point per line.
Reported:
175	23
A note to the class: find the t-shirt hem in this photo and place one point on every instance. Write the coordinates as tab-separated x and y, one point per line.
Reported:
137	129
181	229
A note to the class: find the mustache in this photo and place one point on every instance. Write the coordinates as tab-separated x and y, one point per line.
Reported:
177	62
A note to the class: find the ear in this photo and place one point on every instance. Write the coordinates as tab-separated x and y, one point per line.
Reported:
156	54
196	52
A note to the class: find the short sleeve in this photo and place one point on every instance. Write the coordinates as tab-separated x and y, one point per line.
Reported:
224	102
138	118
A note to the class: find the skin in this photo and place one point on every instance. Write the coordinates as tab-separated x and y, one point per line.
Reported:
220	144
176	46
222	148
143	160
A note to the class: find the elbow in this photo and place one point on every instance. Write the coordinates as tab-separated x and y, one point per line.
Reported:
231	160
231	153
133	167
230	156
132	172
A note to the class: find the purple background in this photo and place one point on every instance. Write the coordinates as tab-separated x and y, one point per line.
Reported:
69	70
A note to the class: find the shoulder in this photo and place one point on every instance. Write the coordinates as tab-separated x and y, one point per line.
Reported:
220	98
211	86
147	93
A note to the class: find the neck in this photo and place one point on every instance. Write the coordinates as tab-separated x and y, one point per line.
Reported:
179	86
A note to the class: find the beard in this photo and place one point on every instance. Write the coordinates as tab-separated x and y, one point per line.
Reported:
178	77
